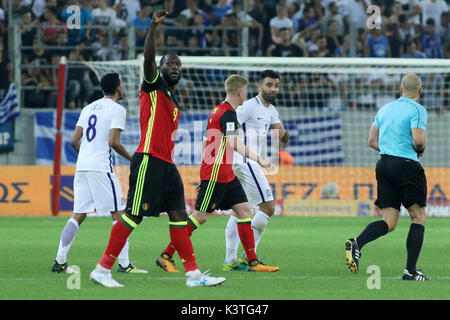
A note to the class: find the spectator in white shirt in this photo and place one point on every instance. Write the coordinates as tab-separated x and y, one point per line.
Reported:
433	9
354	12
333	14
412	10
127	9
444	28
191	9
37	6
102	14
405	27
280	21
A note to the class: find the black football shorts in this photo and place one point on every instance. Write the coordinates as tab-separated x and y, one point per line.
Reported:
400	181
214	195
155	187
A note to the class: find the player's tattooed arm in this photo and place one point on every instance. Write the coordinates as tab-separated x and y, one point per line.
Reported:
150	70
76	138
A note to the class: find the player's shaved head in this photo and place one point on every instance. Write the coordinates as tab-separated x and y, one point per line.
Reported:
170	67
167	56
411	85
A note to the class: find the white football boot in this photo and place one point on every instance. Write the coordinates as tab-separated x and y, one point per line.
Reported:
198	279
103	277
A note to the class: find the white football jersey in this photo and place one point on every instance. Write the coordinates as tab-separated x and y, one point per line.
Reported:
97	119
255	120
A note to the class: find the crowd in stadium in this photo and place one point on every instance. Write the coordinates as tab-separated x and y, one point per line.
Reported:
278	28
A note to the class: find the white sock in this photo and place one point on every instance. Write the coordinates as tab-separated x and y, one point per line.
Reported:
67	236
102	269
124	259
193	274
232	240
259	224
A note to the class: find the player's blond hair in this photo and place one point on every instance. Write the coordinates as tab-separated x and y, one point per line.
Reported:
235	83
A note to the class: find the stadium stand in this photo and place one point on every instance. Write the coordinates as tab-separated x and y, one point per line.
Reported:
113	30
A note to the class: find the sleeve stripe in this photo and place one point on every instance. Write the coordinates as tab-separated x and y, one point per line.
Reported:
154	80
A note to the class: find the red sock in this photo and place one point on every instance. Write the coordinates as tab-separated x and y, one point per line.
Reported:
170	250
117	240
182	243
247	238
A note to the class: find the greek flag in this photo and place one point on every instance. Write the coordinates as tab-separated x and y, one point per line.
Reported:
44	133
9	107
187	139
316	141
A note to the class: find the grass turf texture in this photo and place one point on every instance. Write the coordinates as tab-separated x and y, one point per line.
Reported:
309	251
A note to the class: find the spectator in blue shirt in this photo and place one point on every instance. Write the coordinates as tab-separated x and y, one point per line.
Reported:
444	28
431	42
221	8
308	20
412	52
141	23
377	45
82	16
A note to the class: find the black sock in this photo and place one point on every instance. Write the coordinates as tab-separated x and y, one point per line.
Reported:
414	245
373	231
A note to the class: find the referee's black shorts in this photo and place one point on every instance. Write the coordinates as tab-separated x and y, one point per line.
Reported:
155	187
214	195
400	181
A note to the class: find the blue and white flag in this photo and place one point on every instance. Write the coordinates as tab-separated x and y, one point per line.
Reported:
9	107
188	139
316	141
44	133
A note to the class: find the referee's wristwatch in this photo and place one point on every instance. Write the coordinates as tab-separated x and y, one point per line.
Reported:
419	152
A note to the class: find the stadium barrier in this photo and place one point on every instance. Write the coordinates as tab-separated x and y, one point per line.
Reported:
299	191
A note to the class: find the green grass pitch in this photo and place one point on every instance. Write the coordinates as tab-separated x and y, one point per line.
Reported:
309	251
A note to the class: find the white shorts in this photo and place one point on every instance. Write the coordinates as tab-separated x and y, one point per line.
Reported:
254	182
99	191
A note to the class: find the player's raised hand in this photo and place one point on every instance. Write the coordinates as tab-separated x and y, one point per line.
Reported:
159	15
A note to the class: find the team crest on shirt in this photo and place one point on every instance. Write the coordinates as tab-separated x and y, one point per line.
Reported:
145	206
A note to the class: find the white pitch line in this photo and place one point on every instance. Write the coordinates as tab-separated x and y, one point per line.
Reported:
234	277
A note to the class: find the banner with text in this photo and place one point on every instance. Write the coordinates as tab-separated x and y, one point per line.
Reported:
299	191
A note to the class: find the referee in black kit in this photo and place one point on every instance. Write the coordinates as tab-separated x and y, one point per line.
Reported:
398	133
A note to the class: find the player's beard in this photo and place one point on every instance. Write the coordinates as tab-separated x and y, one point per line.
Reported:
169	80
269	98
120	95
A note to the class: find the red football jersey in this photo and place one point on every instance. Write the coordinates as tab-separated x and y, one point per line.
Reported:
159	116
217	159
